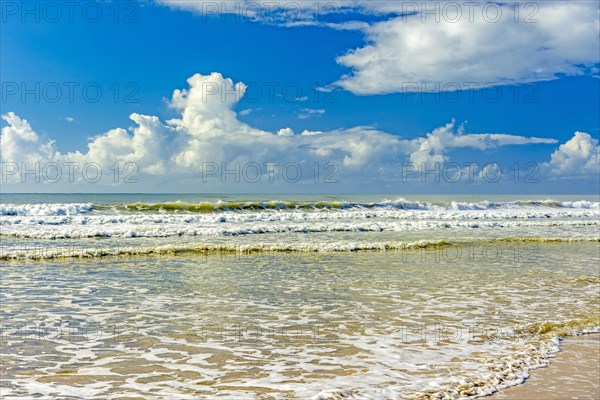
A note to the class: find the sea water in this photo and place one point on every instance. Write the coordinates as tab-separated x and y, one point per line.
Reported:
298	296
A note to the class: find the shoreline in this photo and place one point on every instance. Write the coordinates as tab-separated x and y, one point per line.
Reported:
574	371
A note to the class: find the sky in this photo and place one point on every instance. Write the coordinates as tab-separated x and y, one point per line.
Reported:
286	96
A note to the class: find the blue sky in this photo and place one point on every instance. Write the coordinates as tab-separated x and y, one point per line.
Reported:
139	55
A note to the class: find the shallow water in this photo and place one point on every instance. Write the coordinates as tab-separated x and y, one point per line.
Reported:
239	325
450	311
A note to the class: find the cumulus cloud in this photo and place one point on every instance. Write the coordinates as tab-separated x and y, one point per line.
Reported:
208	131
285	132
20	142
579	156
417	51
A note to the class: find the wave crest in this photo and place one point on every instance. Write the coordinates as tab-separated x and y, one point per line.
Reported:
48	209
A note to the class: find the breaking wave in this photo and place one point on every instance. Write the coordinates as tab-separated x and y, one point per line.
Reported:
89	251
224	206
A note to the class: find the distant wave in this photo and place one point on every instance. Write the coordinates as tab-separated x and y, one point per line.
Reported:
48	209
82	251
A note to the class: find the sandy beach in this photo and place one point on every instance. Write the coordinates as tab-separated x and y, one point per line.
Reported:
573	373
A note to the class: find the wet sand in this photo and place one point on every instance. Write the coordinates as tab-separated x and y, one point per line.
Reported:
574	373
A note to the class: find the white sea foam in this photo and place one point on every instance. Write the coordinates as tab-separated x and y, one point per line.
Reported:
84	220
88	250
183	226
45	209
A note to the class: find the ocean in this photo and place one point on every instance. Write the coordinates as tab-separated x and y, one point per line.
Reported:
290	296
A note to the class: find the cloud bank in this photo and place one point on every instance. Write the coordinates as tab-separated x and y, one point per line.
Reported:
208	131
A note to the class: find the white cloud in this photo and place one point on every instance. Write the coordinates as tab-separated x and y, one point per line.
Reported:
285	132
310	112
70	119
433	148
310	133
405	51
19	142
245	112
208	130
283	11
579	156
